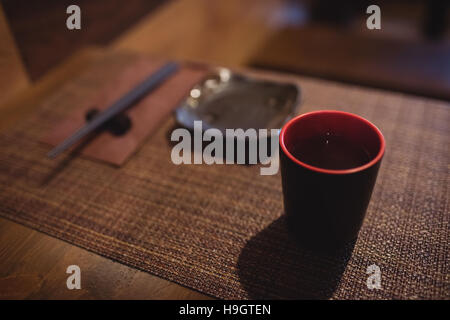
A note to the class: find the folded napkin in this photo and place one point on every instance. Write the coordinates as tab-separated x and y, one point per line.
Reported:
145	116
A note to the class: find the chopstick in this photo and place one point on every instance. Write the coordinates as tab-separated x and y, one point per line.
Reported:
124	102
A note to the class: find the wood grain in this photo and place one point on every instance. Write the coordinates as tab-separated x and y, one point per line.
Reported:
216	32
34	267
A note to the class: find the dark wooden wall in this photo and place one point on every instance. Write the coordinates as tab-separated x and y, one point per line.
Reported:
43	39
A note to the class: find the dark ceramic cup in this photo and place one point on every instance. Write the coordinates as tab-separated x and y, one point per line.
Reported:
324	207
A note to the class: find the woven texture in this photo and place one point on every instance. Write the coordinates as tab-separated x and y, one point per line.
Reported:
220	229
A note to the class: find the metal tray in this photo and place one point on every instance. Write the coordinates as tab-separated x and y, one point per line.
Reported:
227	100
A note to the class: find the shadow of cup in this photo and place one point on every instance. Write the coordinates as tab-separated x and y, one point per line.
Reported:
272	265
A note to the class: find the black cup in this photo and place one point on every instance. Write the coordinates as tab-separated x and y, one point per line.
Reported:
325	208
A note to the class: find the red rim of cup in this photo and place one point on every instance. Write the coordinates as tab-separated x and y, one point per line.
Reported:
329	171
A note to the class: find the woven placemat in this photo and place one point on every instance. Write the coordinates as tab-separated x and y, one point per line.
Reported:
219	229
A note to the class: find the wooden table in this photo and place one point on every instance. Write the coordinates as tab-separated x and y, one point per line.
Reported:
13	77
33	265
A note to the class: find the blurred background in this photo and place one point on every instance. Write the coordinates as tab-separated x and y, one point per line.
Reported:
319	38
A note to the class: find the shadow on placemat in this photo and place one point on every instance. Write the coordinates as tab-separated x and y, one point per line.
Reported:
273	266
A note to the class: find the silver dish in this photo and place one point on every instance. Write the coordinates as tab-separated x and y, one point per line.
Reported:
227	100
